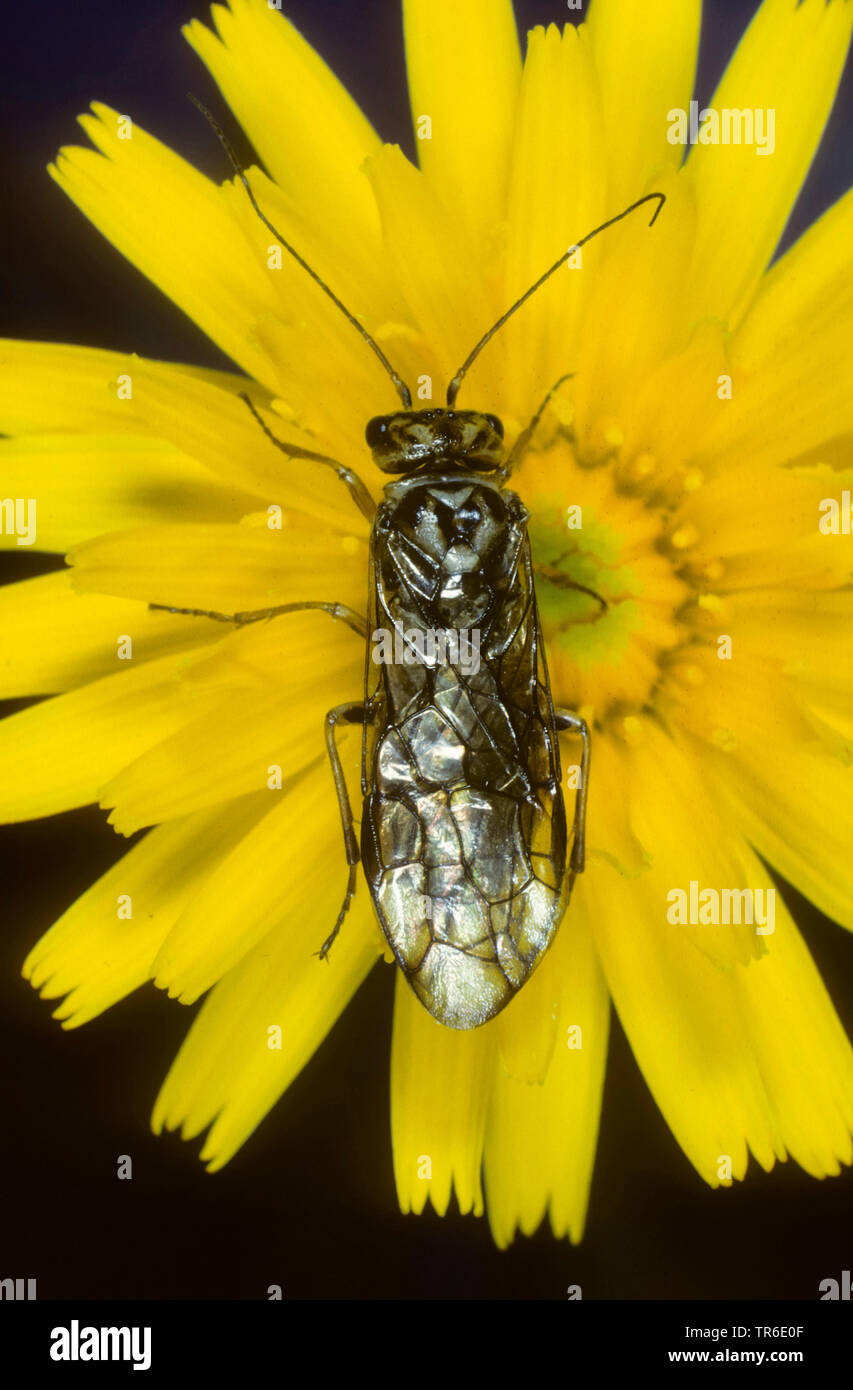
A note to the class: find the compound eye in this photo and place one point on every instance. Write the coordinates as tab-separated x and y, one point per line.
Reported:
496	425
376	430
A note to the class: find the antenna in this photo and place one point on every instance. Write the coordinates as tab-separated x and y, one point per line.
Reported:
402	389
453	388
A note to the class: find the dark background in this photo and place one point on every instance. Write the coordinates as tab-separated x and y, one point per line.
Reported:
309	1202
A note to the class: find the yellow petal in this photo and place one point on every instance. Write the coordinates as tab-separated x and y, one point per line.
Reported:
798	631
230	1071
235	747
84	485
55	639
540	1139
639	283
803	637
673	789
762	1059
792	377
432	263
789	61
215	427
557	194
654	426
439	1089
270	77
226	569
59	753
319	201
136	186
646	60
527	1028
464	72
760	527
253	889
797	809
680	1011
297	335
610	834
95	956
805	1058
84	387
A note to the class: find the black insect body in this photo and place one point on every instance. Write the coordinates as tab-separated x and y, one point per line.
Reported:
463	837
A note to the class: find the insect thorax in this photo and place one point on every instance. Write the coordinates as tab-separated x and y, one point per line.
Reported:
446	551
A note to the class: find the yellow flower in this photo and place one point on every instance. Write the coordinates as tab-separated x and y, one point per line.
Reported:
702	430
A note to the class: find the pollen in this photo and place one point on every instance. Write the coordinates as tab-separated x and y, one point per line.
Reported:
638	473
643	467
709	573
684	537
396	332
688	674
563	408
282	409
632	730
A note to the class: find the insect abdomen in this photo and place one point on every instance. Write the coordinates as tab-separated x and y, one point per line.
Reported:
457	896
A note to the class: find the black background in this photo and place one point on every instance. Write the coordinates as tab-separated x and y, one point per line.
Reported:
309	1202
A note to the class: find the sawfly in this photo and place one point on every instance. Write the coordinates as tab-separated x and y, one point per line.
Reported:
464	838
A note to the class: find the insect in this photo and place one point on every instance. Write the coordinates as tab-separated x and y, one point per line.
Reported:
464	841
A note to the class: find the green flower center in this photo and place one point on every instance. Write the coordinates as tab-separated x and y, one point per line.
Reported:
607	582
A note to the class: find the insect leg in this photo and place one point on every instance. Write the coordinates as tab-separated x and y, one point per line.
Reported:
562	581
355	713
526	435
257	615
565	720
357	490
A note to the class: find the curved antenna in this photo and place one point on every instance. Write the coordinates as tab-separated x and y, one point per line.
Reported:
402	389
453	388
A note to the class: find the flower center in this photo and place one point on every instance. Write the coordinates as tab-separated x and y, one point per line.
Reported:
608	590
